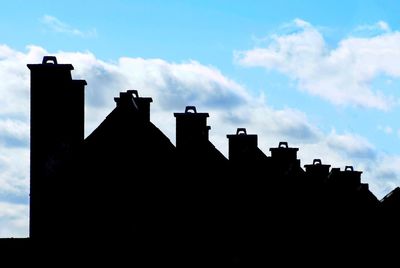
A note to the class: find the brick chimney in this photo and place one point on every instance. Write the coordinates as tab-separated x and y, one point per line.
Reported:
131	98
57	126
242	146
125	100
143	104
191	128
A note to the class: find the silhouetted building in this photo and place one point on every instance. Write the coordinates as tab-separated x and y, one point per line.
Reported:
126	188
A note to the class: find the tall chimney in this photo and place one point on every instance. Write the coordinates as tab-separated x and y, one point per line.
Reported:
57	126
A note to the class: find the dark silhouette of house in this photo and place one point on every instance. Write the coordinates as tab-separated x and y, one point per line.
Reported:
128	194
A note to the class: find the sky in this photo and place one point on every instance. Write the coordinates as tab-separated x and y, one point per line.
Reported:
322	75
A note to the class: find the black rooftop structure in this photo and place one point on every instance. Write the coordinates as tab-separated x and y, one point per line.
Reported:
317	171
191	128
283	152
244	147
192	136
141	103
348	178
284	159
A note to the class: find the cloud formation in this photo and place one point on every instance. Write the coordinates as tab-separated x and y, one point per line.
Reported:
379	27
58	26
341	75
353	146
13	219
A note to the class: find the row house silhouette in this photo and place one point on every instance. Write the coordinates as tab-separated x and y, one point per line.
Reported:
129	194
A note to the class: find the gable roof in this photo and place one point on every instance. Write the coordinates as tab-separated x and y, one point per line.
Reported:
126	132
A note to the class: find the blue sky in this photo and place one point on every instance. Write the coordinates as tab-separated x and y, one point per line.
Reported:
323	75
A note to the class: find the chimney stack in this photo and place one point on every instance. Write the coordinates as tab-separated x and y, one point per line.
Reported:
131	98
242	146
284	158
57	126
284	153
191	128
317	169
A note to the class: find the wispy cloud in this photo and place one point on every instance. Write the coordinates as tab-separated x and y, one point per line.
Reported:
352	145
343	75
386	129
380	26
58	26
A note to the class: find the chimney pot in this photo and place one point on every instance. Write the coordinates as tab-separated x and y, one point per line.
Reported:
49	59
241	131
131	97
283	144
190	108
317	162
349	168
134	92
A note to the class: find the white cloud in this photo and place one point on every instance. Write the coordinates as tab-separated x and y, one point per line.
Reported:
380	26
385	174
352	145
386	129
301	23
13	220
58	26
343	75
383	26
14	132
14	173
286	123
